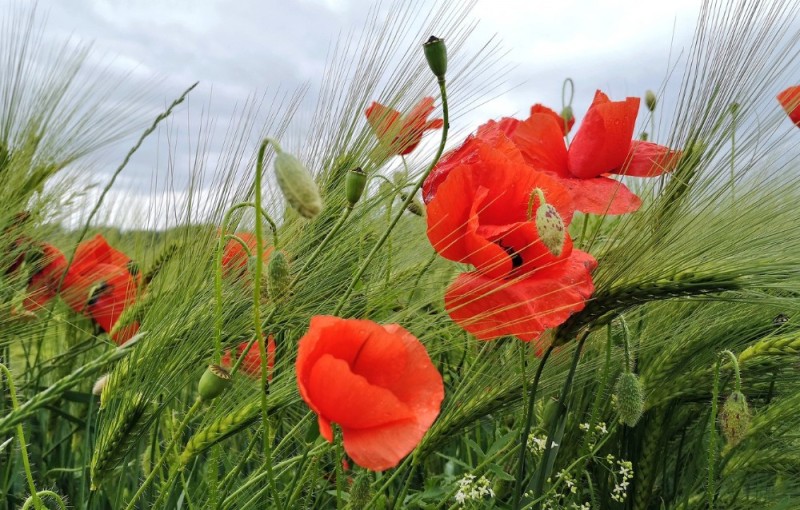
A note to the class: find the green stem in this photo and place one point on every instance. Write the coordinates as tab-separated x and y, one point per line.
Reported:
523	439
262	342
626	343
338	468
712	439
557	424
21	439
401	211
154	472
51	494
736	372
602	392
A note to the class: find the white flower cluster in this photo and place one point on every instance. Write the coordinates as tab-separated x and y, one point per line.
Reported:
470	489
536	444
621	487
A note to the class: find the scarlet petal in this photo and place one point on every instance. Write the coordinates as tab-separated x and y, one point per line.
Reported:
490	308
601	195
349	399
601	143
44	283
565	126
381	118
541	141
120	292
790	100
397	440
648	159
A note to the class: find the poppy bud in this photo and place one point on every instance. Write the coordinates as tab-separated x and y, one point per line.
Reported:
630	398
436	55
650	100
277	275
734	418
297	185
644	136
414	207
360	493
566	114
214	381
550	412
355	184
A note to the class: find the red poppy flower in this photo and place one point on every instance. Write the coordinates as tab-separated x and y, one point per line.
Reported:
566	125
790	100
525	306
480	213
251	364
376	382
43	283
234	256
401	134
111	294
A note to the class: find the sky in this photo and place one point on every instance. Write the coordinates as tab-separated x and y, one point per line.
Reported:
238	48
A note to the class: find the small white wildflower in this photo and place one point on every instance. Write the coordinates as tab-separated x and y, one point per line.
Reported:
584	427
601	428
470	489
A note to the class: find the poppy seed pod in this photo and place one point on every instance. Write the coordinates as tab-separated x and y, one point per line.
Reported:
213	382
436	55
355	184
630	398
277	275
551	230
297	185
650	100
734	418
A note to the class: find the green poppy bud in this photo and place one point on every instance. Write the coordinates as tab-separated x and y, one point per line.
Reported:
551	228
630	398
414	207
297	185
566	114
650	100
734	418
550	412
214	381
436	55
277	275
361	491
355	184
644	136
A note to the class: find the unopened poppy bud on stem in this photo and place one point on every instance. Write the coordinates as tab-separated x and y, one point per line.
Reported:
278	275
355	184
549	224
734	418
567	115
296	183
214	381
650	100
630	398
436	55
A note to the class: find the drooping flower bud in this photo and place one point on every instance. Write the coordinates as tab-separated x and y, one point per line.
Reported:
650	100
436	55
414	207
361	492
644	136
277	275
567	115
630	398
549	413
734	418
355	184
296	183
549	225
213	382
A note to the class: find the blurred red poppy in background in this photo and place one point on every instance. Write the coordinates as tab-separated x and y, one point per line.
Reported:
47	273
401	134
234	256
790	100
375	382
109	297
251	364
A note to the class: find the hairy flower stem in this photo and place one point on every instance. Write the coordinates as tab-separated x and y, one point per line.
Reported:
262	342
526	430
33	498
157	466
711	485
402	209
218	267
557	427
599	396
23	448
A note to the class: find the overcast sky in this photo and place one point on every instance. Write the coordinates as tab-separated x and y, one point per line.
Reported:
236	48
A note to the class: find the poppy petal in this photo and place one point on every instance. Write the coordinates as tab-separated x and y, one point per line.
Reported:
540	139
397	440
790	101
648	159
601	195
566	126
603	139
